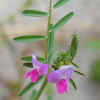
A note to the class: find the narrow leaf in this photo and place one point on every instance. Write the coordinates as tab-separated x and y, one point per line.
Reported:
60	3
51	45
72	51
28	87
34	13
29	65
29	59
29	38
63	21
73	83
33	94
74	46
74	64
80	73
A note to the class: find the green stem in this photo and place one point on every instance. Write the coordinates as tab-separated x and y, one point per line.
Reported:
46	53
49	22
41	89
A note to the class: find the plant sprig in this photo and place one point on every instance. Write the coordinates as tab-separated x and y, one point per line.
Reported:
62	58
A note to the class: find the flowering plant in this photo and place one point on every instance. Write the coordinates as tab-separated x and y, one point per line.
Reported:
53	68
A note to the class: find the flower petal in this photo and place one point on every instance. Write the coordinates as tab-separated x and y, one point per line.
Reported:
35	62
27	74
61	86
34	75
43	69
66	71
53	77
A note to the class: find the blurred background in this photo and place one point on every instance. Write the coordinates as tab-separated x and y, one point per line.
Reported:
85	23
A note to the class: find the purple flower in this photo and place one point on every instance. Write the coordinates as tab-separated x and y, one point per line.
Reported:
38	69
61	78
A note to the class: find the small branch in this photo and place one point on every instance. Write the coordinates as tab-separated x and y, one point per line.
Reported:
46	53
49	22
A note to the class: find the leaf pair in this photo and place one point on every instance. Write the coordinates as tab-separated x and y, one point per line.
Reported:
28	61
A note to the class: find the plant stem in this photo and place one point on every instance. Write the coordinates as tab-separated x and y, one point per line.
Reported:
46	53
49	22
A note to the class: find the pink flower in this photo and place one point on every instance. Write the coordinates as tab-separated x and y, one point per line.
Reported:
38	69
61	78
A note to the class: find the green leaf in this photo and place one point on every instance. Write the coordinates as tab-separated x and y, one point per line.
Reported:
73	83
63	21
29	38
74	64
29	59
51	45
80	73
34	13
28	87
60	3
29	65
33	94
74	46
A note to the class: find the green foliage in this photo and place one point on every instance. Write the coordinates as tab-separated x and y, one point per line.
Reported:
49	92
34	13
29	65
75	65
29	38
73	47
29	59
61	59
60	3
95	71
51	49
73	83
63	21
34	92
28	87
80	73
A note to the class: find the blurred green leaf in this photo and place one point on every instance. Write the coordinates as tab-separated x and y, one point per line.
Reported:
60	3
29	38
73	48
95	71
29	59
63	21
80	73
28	87
93	44
49	91
29	65
74	64
34	13
33	94
73	83
51	45
49	98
